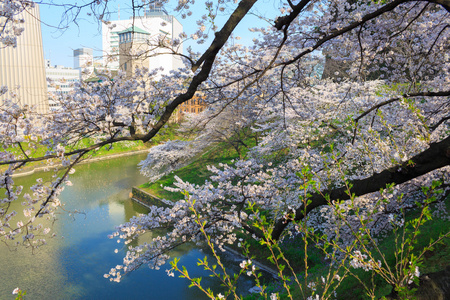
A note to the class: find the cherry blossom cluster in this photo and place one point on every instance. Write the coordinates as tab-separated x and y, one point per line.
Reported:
208	127
100	111
11	20
165	158
344	128
359	261
332	92
247	264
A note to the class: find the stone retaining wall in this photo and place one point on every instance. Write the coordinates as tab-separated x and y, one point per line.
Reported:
145	198
269	270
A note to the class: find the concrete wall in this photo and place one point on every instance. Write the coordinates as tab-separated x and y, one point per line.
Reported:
24	65
145	198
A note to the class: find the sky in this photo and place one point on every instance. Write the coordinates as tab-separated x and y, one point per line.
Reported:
60	38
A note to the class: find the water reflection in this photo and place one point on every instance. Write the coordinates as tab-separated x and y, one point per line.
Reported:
72	265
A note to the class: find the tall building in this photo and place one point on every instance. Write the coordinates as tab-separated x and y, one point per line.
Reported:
60	83
83	58
22	68
156	24
133	49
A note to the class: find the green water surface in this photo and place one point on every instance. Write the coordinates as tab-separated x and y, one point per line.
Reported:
72	265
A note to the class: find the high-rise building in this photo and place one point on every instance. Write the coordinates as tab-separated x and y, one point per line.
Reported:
156	24
22	68
83	58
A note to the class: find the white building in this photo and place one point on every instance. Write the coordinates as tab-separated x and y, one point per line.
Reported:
60	82
83	58
157	24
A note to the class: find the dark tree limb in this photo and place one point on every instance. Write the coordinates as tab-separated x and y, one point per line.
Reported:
335	33
206	61
444	3
223	35
421	94
435	157
284	21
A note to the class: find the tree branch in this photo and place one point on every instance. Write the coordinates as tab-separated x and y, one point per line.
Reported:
223	35
207	59
444	3
282	22
422	94
384	9
435	157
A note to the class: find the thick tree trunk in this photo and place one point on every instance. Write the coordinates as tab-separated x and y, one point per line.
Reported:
432	286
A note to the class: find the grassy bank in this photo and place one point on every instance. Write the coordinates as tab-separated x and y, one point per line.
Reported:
168	133
294	248
351	287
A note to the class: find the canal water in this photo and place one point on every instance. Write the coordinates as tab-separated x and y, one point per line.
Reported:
72	265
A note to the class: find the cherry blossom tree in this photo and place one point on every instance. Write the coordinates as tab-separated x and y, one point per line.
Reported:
12	19
381	120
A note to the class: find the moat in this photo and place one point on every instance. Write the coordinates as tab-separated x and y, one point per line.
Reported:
71	265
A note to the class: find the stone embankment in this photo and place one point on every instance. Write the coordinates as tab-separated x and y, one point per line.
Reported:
146	199
265	268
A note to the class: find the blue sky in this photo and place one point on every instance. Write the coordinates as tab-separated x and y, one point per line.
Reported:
60	43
